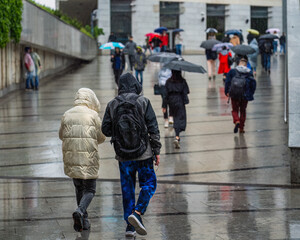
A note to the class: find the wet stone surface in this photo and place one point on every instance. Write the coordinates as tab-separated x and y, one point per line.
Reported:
219	185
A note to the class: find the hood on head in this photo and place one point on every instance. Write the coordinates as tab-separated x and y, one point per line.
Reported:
243	69
129	84
87	97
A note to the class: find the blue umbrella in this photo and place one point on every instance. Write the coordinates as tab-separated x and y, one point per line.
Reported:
111	45
178	30
160	29
233	31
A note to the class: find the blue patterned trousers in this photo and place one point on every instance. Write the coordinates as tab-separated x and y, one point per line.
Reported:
147	181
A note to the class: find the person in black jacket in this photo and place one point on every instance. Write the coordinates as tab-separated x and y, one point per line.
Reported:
156	42
130	88
118	65
282	41
177	91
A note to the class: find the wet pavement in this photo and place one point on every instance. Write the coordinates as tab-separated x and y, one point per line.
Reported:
219	185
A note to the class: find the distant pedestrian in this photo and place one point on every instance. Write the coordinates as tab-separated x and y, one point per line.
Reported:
29	66
163	75
80	132
140	62
148	45
234	39
253	57
165	41
178	43
156	42
118	65
267	50
37	68
131	122
130	48
282	41
275	43
225	58
112	37
240	86
177	91
211	57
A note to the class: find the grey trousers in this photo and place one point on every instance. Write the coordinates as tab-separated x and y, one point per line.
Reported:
85	192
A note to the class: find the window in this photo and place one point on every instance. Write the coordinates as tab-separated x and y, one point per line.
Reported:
169	14
259	18
216	18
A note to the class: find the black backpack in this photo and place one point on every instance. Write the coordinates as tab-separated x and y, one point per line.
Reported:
268	47
237	88
130	134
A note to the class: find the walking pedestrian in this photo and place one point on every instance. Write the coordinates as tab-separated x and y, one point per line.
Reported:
163	75
148	45
240	86
178	43
130	48
282	41
118	65
267	52
112	37
80	132
37	68
225	58
140	62
156	42
275	43
29	66
253	57
234	39
177	91
131	122
211	57
164	41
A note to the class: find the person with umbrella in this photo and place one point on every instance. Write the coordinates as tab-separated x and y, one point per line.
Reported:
140	61
211	56
225	62
164	41
118	64
130	48
240	86
266	50
275	43
156	42
178	43
177	91
253	56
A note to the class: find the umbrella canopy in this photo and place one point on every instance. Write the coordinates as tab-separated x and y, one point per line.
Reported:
253	31
211	30
112	45
268	36
181	65
163	57
152	35
233	31
273	30
208	44
160	29
219	47
178	30
243	50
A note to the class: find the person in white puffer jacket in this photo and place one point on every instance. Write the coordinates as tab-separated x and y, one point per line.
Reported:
81	133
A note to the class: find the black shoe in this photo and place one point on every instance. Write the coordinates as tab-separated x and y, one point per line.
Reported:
78	221
136	221
130	231
214	77
209	78
269	71
236	128
86	224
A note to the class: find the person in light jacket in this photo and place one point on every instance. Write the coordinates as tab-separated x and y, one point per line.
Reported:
80	132
178	43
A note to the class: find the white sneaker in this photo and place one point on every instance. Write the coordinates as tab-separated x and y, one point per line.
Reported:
171	120
176	143
166	124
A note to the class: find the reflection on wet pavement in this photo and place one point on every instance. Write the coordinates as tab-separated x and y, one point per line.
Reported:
217	186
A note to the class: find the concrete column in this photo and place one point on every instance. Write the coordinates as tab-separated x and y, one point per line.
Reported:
293	49
145	18
236	17
104	19
275	17
194	29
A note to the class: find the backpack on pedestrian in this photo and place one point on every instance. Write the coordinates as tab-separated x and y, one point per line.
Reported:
237	88
268	47
129	135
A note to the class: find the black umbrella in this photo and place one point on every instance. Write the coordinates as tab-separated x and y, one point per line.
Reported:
162	57
181	65
243	50
208	44
268	36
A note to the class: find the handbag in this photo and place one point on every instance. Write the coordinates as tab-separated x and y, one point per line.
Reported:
157	89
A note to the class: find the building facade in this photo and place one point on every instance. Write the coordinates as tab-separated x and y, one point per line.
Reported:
138	17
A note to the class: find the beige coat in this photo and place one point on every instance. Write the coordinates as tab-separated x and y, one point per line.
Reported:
80	132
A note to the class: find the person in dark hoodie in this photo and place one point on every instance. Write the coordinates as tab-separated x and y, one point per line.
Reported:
118	65
136	141
240	86
177	91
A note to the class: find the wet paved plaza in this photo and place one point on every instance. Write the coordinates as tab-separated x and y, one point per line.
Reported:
219	185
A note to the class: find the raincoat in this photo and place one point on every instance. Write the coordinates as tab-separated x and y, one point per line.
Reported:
80	132
253	57
223	58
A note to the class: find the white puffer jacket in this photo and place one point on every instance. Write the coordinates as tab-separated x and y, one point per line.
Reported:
81	133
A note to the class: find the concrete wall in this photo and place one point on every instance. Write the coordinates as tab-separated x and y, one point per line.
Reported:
194	29
104	19
275	17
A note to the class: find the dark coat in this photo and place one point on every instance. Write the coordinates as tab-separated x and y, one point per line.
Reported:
250	84
122	59
211	55
128	86
176	97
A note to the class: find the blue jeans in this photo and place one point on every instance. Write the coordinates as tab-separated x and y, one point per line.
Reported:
36	84
178	49
282	47
275	45
29	80
137	73
147	181
267	61
163	48
156	49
